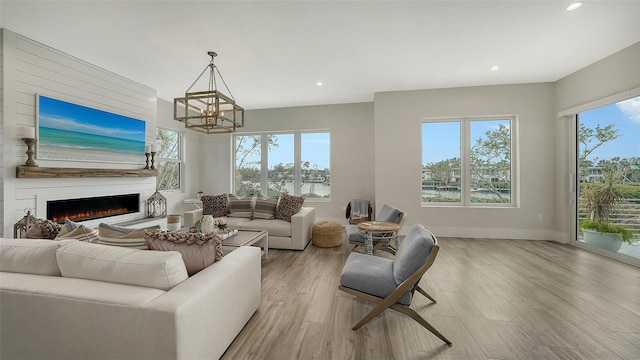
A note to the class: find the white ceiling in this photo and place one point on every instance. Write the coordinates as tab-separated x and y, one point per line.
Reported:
272	54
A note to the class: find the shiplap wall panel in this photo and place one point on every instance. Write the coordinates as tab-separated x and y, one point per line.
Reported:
39	69
72	69
74	93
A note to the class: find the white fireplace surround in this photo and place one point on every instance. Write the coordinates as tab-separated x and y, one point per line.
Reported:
140	216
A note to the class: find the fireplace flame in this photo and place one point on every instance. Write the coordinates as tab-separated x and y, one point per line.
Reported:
89	214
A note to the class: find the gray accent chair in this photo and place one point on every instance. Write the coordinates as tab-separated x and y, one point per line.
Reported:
387	213
391	283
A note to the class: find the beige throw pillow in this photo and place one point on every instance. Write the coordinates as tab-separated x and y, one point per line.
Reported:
265	208
75	231
241	207
198	250
121	236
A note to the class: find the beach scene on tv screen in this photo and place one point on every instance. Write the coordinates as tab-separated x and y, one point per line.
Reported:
68	131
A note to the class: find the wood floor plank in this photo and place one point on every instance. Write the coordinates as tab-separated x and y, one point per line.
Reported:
340	340
496	299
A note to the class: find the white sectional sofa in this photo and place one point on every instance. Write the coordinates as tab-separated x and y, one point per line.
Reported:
75	300
294	235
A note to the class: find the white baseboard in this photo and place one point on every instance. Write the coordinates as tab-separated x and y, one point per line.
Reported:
495	233
483	233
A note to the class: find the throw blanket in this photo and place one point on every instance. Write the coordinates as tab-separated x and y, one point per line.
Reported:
181	237
359	209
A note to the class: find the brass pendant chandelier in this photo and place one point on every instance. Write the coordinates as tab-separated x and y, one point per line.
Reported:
210	111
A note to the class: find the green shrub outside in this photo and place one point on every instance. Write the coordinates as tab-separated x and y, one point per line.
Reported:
608	227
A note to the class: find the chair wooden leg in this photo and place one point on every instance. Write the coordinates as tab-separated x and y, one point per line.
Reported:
421	291
415	316
373	313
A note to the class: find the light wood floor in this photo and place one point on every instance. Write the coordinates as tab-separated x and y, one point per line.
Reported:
497	299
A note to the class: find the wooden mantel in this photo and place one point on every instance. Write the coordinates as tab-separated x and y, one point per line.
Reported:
56	172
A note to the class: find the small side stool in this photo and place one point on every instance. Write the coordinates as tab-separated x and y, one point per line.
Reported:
327	234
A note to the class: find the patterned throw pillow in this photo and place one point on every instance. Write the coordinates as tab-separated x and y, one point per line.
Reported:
265	208
216	205
288	206
121	236
72	230
198	250
43	229
241	207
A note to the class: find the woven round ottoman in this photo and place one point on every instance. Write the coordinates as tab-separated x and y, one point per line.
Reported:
327	234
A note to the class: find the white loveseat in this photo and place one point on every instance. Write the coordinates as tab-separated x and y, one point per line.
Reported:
294	235
53	303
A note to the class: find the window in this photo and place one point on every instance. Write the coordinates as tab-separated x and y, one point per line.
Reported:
608	175
270	164
468	161
168	159
281	171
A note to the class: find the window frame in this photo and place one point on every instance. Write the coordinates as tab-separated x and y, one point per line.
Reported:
465	163
264	160
179	159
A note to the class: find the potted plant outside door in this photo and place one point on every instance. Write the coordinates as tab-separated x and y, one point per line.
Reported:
601	201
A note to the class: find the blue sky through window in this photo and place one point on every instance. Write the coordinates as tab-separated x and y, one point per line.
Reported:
625	116
315	149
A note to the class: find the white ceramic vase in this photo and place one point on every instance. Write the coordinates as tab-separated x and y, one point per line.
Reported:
207	224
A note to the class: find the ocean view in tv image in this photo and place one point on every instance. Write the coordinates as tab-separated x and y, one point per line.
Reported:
69	131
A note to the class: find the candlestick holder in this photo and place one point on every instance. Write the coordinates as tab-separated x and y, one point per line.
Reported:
147	155
30	142
153	157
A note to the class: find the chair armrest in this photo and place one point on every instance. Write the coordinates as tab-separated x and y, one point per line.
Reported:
301	226
191	217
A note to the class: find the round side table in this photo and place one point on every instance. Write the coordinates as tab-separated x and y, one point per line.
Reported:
379	230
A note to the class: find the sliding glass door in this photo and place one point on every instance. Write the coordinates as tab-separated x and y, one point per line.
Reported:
608	177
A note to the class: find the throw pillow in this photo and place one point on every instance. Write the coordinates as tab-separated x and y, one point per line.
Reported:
265	208
43	229
121	236
241	207
288	206
198	250
72	230
215	205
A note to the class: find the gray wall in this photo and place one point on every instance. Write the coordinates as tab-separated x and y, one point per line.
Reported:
398	158
1	133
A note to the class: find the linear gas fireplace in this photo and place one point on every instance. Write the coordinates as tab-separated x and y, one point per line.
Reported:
82	209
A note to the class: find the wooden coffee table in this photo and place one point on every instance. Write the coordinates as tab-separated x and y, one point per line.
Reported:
247	238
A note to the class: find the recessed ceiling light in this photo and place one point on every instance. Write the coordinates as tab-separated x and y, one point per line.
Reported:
495	68
319	83
574	5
